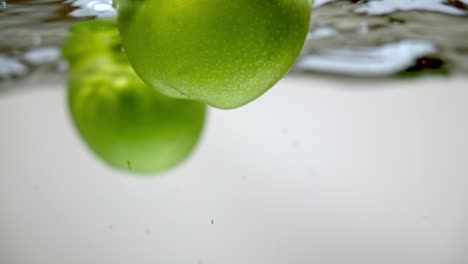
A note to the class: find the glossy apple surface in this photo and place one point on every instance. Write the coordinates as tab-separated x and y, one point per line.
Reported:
225	53
124	121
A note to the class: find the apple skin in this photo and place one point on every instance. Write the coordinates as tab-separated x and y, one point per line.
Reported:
124	121
224	53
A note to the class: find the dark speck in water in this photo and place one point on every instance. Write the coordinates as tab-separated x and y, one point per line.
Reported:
427	63
458	4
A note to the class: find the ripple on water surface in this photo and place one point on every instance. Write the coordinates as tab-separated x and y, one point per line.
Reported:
355	38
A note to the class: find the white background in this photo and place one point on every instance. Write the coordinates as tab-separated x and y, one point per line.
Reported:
318	170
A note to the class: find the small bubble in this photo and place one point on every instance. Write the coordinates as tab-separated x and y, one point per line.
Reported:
295	144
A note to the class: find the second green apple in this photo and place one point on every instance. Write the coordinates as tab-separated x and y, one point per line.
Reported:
225	53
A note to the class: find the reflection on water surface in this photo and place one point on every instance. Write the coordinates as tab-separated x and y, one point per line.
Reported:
346	37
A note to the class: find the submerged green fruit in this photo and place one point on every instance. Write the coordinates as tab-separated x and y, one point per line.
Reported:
225	53
122	119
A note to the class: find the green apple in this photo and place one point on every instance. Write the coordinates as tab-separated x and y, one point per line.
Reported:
224	53
123	120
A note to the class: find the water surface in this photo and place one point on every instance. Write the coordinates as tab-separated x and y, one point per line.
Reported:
347	38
